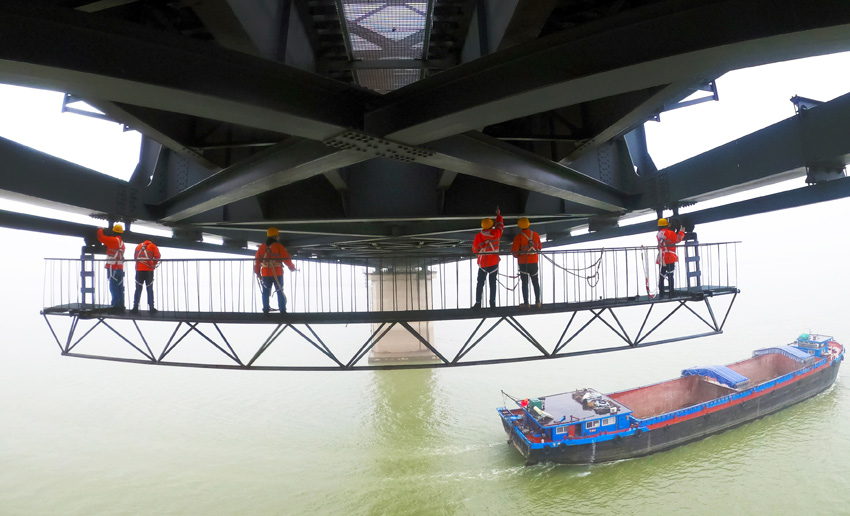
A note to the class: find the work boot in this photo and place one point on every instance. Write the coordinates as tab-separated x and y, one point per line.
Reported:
153	310
477	304
135	309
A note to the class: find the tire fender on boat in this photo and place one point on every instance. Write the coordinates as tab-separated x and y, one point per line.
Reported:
638	432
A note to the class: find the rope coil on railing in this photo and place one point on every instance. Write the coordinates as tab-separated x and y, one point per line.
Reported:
592	279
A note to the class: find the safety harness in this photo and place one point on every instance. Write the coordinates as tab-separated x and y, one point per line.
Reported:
148	259
115	258
528	248
145	257
270	262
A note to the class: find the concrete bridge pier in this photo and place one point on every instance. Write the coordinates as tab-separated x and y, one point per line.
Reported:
399	290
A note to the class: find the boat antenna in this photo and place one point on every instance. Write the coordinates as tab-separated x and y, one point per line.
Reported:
506	395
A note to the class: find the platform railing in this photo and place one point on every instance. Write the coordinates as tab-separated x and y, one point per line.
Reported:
383	284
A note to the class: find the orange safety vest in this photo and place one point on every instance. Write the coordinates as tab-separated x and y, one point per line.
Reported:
114	250
667	240
487	241
147	256
525	247
269	260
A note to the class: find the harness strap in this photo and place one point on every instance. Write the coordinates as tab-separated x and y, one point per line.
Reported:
115	256
270	262
489	246
146	257
528	248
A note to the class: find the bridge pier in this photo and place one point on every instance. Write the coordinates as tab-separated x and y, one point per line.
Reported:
402	289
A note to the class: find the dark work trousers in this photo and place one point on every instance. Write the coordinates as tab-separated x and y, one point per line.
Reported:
527	270
666	271
273	283
491	271
116	287
143	278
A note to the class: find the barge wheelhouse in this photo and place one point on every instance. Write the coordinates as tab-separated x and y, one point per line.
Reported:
585	426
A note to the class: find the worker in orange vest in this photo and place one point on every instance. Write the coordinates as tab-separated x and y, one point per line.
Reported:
147	258
525	248
268	266
486	245
667	239
114	265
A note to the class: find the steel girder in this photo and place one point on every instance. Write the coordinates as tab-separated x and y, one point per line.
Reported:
55	183
699	39
292	160
137	70
472	154
120	62
812	194
780	151
25	222
482	156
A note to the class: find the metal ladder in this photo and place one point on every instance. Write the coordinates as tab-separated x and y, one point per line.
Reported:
87	276
692	257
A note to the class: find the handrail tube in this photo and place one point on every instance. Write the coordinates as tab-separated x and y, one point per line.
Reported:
386	284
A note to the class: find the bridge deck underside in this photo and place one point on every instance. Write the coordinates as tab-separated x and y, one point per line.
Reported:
98	311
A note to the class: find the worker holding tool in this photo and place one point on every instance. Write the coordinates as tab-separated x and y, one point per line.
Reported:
114	265
486	246
669	234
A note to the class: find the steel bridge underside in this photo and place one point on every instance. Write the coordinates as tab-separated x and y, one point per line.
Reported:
694	303
252	120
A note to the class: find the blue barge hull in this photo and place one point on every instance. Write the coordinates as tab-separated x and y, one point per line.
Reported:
584	427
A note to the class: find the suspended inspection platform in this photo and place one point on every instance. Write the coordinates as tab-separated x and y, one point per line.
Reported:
398	312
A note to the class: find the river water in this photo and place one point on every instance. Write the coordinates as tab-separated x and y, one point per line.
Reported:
81	437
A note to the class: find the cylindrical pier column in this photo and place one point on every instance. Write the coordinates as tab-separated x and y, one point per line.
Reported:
402	290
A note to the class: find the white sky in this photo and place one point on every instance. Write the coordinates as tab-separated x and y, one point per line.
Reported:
750	99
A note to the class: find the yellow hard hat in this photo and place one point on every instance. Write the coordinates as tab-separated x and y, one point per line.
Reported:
662	222
486	223
272	232
523	223
118	228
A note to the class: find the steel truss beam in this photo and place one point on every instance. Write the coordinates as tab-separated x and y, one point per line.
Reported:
605	316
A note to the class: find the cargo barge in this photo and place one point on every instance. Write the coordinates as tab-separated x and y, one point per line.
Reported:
585	426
